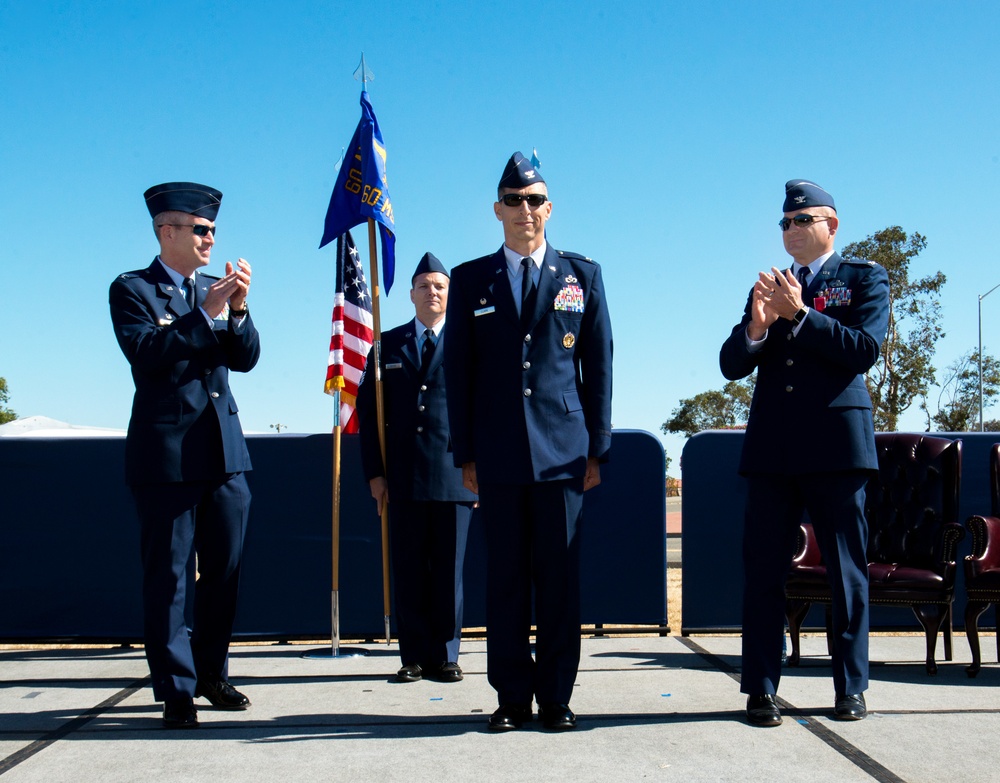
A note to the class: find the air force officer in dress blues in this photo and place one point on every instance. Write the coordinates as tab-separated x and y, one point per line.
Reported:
528	363
811	332
430	510
182	333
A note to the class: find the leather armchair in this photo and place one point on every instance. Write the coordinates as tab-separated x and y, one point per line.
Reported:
982	567
913	535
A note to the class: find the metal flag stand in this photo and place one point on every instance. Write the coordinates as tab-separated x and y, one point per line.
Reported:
335	651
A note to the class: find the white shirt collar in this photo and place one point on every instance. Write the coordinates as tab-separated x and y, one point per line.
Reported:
514	259
814	267
176	276
421	327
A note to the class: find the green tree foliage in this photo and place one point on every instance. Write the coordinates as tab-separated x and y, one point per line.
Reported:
904	371
958	400
728	408
6	414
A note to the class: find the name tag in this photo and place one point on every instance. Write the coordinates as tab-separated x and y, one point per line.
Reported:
484	311
394	366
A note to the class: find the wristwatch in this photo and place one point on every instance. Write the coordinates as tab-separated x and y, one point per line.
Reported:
800	316
240	313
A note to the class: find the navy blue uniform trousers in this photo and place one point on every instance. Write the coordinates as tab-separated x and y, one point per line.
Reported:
533	535
835	503
209	517
427	540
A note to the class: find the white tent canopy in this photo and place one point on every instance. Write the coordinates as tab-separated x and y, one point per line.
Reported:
44	427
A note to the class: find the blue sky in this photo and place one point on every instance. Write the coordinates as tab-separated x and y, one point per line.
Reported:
666	131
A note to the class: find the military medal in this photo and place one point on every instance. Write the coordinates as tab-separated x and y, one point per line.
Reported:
569	340
569	299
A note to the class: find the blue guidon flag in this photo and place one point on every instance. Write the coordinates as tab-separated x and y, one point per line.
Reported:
361	191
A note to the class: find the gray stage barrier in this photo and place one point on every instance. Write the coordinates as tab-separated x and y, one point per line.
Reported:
69	542
712	510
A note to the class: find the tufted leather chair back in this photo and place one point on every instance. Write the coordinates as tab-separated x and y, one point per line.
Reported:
913	498
995	479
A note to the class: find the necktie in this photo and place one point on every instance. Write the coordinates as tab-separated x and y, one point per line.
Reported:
426	351
189	292
803	273
527	289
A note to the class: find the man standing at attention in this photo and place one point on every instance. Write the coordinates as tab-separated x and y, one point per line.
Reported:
430	509
811	332
528	364
185	456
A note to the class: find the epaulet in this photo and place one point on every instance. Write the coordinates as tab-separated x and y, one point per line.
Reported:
859	262
574	256
128	275
209	277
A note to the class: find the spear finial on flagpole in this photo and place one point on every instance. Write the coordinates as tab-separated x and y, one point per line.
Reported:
364	74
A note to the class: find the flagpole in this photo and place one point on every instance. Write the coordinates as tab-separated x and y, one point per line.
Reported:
335	534
380	412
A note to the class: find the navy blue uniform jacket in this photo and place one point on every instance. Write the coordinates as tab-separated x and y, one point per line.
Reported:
811	411
184	425
418	443
530	403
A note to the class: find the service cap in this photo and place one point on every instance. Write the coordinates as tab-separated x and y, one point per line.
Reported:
801	193
519	173
429	263
198	200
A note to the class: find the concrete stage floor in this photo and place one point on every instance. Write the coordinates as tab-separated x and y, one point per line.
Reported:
650	708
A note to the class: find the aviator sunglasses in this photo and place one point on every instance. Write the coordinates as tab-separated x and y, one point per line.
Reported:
196	228
801	221
514	199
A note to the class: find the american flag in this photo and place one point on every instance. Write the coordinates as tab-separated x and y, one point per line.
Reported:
351	337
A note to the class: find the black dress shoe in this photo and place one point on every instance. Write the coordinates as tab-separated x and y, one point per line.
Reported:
762	710
446	672
179	714
509	717
222	695
410	673
850	707
557	717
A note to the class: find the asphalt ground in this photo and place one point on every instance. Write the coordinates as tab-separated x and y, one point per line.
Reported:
649	708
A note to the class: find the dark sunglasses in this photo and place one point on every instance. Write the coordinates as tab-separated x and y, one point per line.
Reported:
801	221
514	199
197	229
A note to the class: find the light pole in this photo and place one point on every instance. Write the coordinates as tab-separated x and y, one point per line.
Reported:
981	298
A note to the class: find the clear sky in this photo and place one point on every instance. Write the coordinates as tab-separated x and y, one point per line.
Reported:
666	132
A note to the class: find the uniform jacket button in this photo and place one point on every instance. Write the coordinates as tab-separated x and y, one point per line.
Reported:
527	338
423	388
526	365
421	408
789	388
527	392
789	362
215	395
420	429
